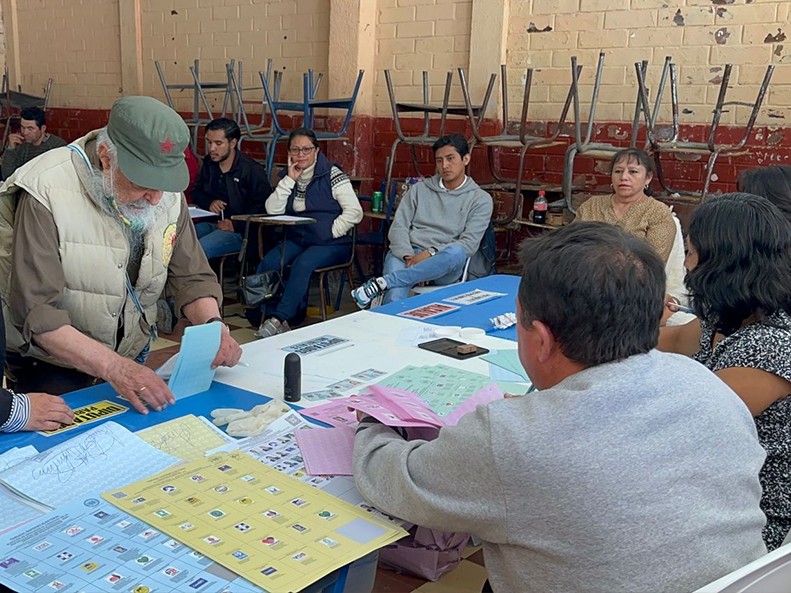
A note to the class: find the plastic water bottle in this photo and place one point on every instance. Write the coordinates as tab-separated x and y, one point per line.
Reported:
540	208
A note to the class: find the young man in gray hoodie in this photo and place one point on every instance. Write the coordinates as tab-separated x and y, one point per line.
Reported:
437	226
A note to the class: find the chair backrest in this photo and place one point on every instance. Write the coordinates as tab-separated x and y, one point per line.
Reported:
249	129
483	262
767	574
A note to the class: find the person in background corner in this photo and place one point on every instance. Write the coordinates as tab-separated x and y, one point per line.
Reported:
772	182
309	186
31	141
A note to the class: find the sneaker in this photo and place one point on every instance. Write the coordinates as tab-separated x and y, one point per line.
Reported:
363	295
272	327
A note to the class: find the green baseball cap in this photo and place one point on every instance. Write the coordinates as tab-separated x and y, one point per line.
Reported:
150	139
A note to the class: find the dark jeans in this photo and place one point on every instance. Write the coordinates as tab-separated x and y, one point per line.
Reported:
303	261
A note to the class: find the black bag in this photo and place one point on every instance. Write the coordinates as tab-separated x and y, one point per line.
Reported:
258	288
255	289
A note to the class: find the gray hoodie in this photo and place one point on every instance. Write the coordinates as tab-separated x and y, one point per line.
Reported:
430	216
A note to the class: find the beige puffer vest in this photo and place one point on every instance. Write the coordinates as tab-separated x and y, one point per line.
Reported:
94	252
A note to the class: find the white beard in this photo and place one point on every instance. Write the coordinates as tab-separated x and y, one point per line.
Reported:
101	188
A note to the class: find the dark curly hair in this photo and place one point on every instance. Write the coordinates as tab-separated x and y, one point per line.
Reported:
772	182
743	243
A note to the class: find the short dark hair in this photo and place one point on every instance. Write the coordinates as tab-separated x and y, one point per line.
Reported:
307	132
228	126
743	243
457	141
33	114
633	155
772	182
599	289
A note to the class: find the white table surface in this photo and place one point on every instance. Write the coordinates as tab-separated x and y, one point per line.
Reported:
378	342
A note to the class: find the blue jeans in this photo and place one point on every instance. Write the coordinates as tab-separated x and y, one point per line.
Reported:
216	242
443	268
303	260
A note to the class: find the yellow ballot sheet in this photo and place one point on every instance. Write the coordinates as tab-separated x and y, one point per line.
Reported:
187	437
270	528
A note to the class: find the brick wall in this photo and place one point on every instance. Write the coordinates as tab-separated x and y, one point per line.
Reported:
701	36
76	43
417	35
413	35
293	33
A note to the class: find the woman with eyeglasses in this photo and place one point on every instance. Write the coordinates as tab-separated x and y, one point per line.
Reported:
309	186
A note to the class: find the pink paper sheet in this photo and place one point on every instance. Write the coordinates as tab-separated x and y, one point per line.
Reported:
334	412
396	407
327	451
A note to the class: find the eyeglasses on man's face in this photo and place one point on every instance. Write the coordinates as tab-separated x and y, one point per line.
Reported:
301	150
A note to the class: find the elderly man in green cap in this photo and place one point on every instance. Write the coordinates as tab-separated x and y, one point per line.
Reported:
90	235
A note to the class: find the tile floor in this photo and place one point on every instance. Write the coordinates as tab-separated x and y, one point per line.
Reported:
467	577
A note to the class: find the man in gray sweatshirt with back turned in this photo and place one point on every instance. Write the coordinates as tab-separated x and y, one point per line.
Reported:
629	471
437	226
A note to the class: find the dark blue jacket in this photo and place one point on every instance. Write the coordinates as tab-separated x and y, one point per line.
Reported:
319	204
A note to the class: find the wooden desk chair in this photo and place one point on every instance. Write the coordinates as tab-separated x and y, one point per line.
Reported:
221	275
348	267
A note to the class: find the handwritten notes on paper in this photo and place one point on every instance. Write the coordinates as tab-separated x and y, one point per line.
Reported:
98	459
187	437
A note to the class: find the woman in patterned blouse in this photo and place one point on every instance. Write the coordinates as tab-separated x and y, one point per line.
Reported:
739	279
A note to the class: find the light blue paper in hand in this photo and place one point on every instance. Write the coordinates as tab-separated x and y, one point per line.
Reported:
193	373
507	360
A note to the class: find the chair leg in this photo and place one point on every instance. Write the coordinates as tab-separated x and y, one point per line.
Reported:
350	276
222	284
323	296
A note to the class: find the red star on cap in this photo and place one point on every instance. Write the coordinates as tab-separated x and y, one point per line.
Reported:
167	145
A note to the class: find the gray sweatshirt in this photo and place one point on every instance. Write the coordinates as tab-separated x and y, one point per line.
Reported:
430	216
640	475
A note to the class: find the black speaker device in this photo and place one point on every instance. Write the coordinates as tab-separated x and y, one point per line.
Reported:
292	378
